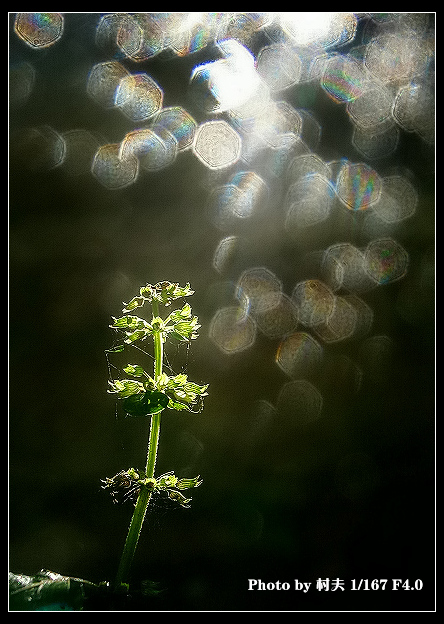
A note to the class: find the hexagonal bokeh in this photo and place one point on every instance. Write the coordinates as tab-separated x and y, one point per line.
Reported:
38	148
307	164
314	300
139	143
225	204
39	30
279	320
180	123
386	260
154	150
279	67
259	289
108	28
240	199
111	170
224	252
343	268
358	186
298	355
343	79
340	324
232	330
414	108
242	27
378	142
217	145
392	57
308	202
139	97
254	192
81	146
373	108
140	37
398	199
103	81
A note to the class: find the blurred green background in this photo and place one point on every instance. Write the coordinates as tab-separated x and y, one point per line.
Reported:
349	496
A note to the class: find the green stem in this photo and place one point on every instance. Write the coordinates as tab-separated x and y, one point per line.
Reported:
158	345
145	493
152	445
133	537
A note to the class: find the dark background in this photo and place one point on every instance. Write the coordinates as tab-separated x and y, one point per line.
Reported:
350	496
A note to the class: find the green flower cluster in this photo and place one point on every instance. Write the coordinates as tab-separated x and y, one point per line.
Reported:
179	393
162	292
126	485
146	394
180	324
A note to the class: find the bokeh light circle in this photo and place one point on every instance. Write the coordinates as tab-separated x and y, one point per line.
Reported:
314	300
21	83
386	260
279	67
259	289
376	142
393	57
138	96
154	150
39	30
343	79
140	37
103	81
308	202
217	145
299	355
358	186
39	148
398	199
343	265
280	319
232	330
340	323
180	123
113	171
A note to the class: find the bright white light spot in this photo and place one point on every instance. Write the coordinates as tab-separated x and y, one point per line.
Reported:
190	20
232	80
307	27
231	84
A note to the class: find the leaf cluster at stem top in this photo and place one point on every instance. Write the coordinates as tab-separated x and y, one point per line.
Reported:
181	325
162	292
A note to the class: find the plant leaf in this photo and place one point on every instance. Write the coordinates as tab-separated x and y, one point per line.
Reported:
130	322
125	387
165	292
116	349
145	403
136	302
47	591
136	370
